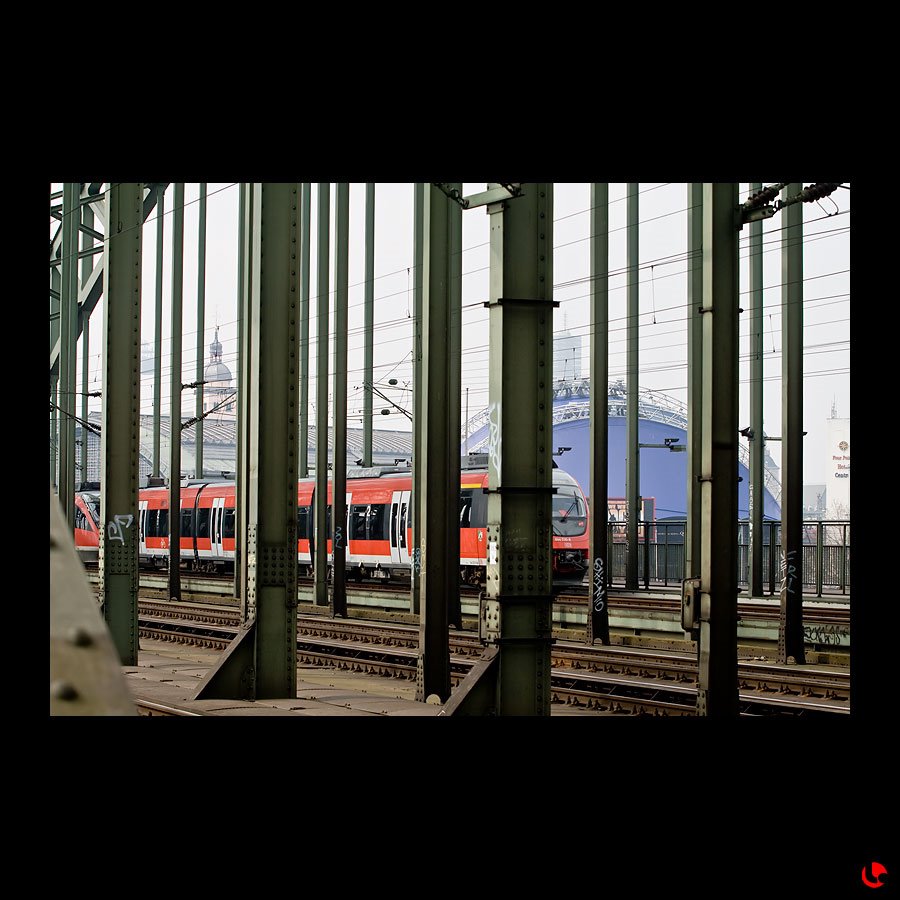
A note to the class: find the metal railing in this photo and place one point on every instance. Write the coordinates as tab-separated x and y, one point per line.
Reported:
825	564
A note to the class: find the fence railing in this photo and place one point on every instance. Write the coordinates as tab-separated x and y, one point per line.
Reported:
825	564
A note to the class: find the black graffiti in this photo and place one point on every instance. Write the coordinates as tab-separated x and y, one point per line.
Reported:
599	585
824	634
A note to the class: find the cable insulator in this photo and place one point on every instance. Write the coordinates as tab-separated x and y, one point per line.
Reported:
817	191
761	198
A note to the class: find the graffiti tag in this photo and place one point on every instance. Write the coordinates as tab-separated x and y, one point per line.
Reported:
115	530
599	585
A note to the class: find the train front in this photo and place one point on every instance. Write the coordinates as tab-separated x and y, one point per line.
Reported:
570	530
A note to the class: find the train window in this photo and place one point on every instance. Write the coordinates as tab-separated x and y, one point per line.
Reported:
150	523
202	523
394	524
403	524
377	522
465	509
479	515
94	507
187	523
162	528
80	520
569	512
303	523
228	524
358	521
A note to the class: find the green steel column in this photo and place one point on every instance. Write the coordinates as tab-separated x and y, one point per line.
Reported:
439	531
339	465
262	660
242	410
175	394
517	609
85	384
632	368
68	348
54	380
87	265
201	309
598	620
454	391
369	336
416	500
757	443
321	501
270	457
692	539
157	334
303	449
120	433
790	627
717	693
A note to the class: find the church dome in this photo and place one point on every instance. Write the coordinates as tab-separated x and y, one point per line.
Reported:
216	370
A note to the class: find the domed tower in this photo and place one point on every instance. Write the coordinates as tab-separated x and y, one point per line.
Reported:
218	388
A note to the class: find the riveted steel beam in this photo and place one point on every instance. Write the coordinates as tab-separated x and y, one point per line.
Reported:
369	325
598	619
790	626
201	327
757	442
120	432
632	371
321	497
692	538
304	329
69	349
717	693
438	531
175	392
264	662
418	282
338	602
518	602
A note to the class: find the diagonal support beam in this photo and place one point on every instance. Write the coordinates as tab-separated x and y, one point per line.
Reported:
90	293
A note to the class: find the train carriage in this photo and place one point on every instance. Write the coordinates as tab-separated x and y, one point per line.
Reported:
378	528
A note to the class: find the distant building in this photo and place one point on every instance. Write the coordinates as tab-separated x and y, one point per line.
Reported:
219	390
838	461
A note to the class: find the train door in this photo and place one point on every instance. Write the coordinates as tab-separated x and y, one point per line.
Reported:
399	523
347	556
217	519
142	533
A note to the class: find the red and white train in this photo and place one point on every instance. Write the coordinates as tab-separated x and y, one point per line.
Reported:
379	525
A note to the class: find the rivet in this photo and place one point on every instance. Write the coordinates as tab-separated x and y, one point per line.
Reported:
80	637
62	690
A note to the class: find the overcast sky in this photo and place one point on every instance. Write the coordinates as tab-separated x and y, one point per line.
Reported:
663	298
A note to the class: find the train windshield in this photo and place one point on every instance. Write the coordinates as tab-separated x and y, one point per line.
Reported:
569	512
92	502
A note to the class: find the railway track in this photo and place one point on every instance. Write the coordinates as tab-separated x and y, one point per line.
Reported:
610	679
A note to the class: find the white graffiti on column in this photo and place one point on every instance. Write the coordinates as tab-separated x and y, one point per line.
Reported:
788	571
115	530
494	448
599	585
